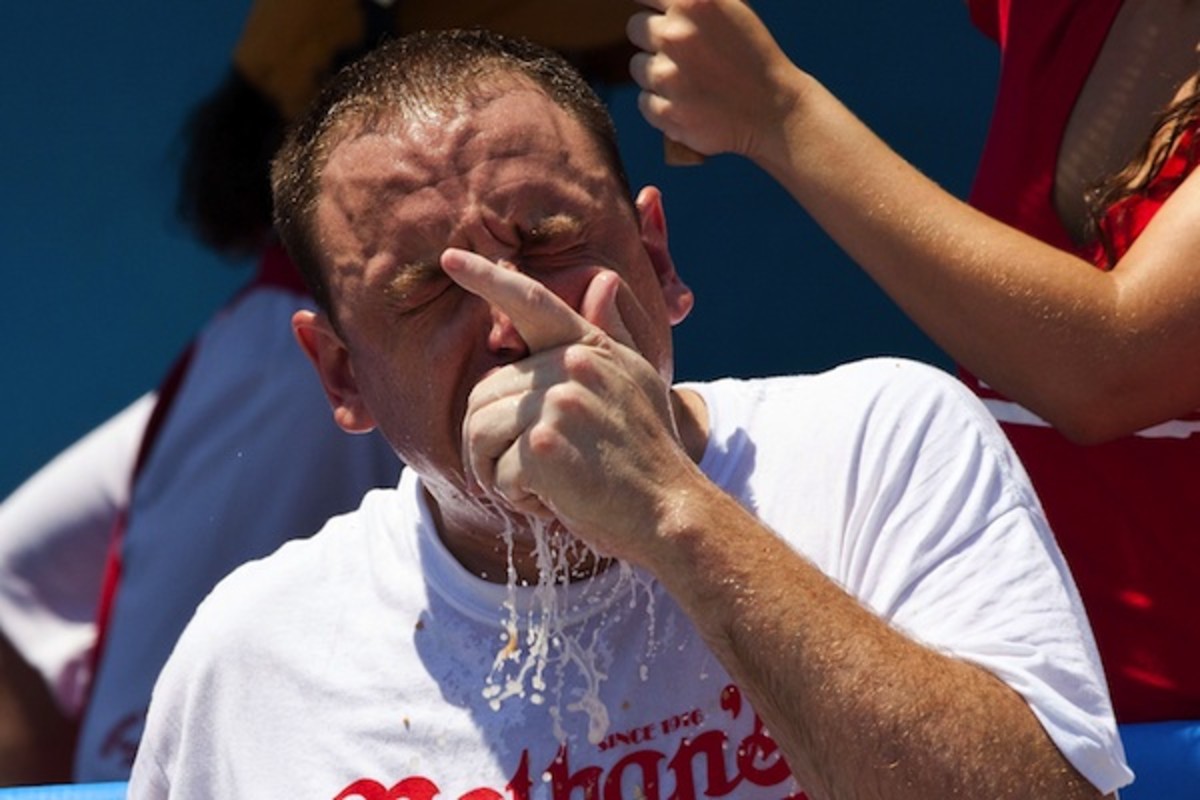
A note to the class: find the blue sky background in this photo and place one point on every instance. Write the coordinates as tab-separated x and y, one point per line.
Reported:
104	287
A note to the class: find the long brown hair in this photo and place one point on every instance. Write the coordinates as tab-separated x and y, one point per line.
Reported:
1145	167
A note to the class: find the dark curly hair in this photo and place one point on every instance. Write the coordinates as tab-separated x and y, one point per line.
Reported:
225	185
1145	167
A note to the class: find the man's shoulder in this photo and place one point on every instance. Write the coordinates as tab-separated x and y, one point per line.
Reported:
889	372
269	618
869	403
296	578
903	378
859	382
897	396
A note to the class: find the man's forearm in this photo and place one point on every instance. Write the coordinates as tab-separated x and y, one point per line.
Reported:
858	709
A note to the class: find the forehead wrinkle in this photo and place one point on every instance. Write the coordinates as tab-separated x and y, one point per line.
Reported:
547	131
376	176
514	195
369	193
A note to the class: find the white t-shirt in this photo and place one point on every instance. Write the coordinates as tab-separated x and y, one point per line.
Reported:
248	457
355	664
55	531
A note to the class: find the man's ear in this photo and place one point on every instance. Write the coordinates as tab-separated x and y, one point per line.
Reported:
329	354
653	221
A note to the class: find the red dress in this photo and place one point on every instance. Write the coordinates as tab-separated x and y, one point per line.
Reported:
1126	513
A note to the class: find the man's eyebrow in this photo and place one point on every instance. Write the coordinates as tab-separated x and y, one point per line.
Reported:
553	226
409	276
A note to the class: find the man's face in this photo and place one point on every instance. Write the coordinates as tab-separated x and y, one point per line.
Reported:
516	180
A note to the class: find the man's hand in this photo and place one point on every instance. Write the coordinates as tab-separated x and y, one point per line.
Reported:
581	430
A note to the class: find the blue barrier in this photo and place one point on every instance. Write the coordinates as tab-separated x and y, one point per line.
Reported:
1165	758
67	791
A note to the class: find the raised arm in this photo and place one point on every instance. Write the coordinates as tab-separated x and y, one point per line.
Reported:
1097	354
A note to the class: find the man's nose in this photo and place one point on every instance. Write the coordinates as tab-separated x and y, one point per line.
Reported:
503	337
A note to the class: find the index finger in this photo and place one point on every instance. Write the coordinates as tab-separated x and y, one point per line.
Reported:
539	315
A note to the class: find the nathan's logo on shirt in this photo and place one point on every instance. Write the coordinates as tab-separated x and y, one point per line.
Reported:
697	768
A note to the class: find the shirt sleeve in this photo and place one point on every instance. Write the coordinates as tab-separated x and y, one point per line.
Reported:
951	546
56	529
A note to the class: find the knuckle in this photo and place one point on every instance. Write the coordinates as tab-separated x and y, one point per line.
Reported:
566	398
543	441
474	439
582	363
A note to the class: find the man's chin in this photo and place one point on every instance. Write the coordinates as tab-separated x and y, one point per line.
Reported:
540	546
545	548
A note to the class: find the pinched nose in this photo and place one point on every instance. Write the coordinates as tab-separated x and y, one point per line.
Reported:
503	337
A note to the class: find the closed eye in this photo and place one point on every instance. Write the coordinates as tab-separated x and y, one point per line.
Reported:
553	242
554	229
415	286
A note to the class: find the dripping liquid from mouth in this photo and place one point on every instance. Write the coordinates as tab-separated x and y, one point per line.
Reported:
543	639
